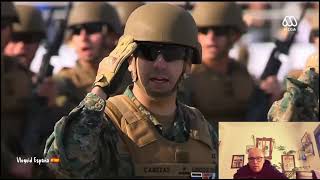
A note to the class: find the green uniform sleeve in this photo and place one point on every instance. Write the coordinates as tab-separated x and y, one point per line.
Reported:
300	102
84	141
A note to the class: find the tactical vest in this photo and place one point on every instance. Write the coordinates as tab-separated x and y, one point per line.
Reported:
80	77
221	97
152	154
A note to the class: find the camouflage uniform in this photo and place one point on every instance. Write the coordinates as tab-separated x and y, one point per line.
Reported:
99	141
300	102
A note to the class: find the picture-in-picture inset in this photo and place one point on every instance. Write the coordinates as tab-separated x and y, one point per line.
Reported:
268	150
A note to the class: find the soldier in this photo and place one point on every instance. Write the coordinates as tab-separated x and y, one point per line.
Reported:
15	89
145	132
220	87
27	35
300	102
124	9
93	35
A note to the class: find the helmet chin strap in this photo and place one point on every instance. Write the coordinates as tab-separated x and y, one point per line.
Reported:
137	81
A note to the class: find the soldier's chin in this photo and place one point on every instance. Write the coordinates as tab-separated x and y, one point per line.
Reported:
160	94
90	59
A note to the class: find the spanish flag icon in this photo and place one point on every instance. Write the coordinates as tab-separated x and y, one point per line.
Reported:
55	160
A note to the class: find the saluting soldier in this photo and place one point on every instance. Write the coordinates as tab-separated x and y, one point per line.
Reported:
146	131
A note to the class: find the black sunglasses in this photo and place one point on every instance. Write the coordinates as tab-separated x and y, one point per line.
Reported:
90	28
170	52
26	37
218	31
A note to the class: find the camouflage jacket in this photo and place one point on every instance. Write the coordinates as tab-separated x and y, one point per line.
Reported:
300	102
86	140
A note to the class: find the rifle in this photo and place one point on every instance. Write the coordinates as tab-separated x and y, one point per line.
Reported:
259	104
52	47
38	108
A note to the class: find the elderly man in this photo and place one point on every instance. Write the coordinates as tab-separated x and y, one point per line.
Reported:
258	168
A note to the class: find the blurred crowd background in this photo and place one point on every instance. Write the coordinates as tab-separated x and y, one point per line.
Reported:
264	21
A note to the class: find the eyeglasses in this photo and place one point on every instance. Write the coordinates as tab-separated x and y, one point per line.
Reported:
26	38
251	159
218	31
90	28
150	51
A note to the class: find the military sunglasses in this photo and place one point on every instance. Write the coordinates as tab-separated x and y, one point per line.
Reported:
218	31
170	52
26	38
90	28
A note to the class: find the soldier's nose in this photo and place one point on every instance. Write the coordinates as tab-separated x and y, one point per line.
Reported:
160	62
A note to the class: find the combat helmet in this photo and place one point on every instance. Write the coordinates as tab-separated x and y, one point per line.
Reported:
124	9
95	12
208	14
174	26
31	21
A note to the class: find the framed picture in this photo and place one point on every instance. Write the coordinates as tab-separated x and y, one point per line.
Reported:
317	138
237	161
265	144
305	140
288	163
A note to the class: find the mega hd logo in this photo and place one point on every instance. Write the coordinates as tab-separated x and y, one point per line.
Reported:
290	23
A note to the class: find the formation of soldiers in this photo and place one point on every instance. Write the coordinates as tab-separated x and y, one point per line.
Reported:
149	85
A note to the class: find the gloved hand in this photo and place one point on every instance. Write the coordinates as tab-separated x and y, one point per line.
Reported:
113	67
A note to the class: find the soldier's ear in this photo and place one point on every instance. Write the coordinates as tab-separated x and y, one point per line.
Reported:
131	60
